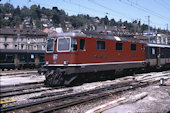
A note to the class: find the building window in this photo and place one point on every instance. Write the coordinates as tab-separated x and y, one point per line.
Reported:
43	47
133	47
15	46
100	45
15	39
22	46
5	38
35	39
119	46
44	39
5	46
35	47
82	44
22	38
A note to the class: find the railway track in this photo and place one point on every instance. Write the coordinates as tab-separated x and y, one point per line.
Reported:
56	103
20	89
21	86
24	89
16	72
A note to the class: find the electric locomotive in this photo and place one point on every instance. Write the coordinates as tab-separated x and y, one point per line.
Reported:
72	56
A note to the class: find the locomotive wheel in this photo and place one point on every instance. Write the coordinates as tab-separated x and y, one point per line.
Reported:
54	78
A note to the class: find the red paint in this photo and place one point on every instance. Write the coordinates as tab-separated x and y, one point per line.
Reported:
92	55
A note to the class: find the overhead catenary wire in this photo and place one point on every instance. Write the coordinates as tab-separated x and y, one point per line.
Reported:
166	3
110	9
146	10
160	3
113	11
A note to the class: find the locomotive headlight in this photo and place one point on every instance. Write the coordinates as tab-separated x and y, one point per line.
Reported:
65	63
46	62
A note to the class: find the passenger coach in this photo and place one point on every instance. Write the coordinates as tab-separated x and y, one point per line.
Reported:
158	55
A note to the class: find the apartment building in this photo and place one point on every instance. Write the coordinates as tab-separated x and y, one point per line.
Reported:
22	39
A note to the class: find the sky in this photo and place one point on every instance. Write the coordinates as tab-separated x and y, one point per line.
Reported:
158	11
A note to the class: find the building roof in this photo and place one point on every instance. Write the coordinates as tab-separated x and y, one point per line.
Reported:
141	37
88	34
46	30
27	31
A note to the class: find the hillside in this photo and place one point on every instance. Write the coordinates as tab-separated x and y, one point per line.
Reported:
41	17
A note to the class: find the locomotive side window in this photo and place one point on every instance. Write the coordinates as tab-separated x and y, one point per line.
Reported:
133	47
82	44
119	46
74	44
50	45
100	45
63	44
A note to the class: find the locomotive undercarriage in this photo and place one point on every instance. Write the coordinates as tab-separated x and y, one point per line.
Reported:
57	76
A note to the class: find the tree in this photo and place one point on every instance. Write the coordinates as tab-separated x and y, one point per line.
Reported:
8	8
113	22
17	11
55	18
35	12
25	12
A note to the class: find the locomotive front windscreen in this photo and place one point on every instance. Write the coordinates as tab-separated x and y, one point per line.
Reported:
63	44
50	45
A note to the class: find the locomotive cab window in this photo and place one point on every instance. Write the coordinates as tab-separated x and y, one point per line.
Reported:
133	47
82	44
74	44
50	45
63	44
100	45
119	46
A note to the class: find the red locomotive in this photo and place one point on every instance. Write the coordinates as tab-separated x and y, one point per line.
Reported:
71	56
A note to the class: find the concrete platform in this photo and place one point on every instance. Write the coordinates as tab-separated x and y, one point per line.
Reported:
20	79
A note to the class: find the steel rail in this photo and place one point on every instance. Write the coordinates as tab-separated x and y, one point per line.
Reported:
72	102
26	91
21	88
84	98
37	104
15	85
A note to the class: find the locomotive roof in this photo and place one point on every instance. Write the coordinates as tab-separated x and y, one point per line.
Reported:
96	35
